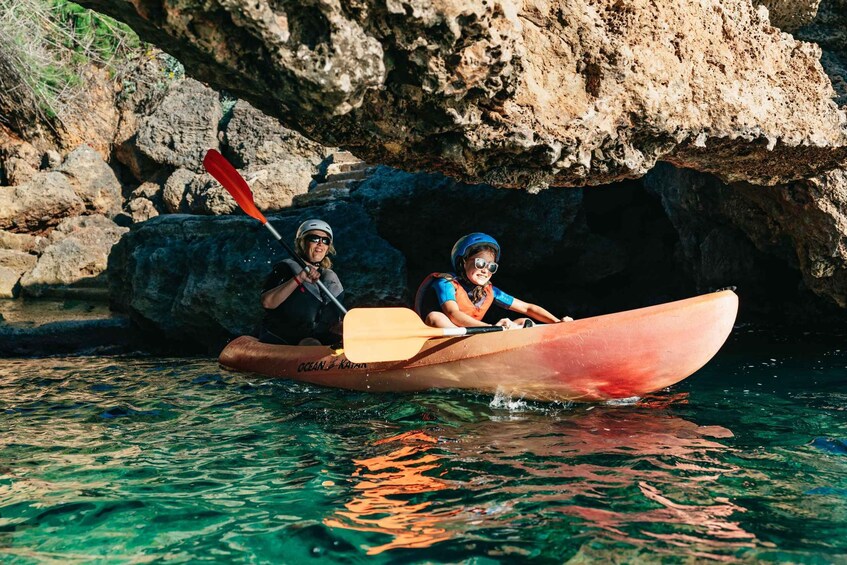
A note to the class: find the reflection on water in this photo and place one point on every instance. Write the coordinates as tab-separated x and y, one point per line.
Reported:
385	484
613	470
133	459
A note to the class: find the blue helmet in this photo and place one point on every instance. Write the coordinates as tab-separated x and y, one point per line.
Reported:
461	247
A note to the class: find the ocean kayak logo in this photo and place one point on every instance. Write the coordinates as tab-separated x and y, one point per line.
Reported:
340	364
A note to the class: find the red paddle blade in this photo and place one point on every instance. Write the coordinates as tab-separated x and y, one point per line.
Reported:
233	182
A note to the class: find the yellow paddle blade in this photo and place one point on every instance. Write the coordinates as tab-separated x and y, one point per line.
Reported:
384	334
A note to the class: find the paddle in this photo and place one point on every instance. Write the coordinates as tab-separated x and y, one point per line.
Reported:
392	334
234	183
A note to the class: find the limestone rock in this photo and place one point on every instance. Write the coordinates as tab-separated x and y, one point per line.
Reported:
18	161
173	194
789	15
444	210
187	192
561	93
829	31
93	181
276	185
254	139
93	120
144	87
13	264
183	127
744	234
78	253
141	210
150	190
90	336
51	160
198	280
38	204
22	242
9	279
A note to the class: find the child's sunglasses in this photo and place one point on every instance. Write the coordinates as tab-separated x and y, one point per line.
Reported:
311	238
481	263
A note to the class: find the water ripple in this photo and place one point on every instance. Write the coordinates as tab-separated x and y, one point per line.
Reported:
141	459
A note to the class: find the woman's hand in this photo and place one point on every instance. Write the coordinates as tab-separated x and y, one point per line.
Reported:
311	276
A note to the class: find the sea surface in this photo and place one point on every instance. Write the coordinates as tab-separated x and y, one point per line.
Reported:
139	459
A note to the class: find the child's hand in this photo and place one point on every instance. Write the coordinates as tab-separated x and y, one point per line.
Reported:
567	319
508	324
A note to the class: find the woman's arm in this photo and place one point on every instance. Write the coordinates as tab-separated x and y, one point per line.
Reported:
279	294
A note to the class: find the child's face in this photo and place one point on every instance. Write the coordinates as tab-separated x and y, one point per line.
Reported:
479	276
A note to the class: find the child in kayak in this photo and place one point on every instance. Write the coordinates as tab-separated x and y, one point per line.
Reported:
463	297
296	310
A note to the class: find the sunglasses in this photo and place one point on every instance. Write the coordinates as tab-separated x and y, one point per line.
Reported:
481	263
317	238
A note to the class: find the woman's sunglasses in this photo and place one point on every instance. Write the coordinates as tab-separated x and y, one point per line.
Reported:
481	263
316	238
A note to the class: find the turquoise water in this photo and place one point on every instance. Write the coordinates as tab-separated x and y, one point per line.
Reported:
150	459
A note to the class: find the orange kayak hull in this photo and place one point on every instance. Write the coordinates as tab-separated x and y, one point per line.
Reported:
622	355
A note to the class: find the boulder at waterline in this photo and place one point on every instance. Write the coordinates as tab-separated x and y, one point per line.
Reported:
77	256
195	281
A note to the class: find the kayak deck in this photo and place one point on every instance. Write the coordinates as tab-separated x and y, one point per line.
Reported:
620	355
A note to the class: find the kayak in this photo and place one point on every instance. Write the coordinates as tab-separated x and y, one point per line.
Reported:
621	355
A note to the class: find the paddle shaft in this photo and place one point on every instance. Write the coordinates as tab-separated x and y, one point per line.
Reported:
305	265
223	171
450	332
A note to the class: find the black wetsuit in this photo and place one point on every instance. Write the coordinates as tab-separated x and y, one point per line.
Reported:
307	312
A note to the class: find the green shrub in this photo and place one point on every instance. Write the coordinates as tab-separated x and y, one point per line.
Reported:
44	47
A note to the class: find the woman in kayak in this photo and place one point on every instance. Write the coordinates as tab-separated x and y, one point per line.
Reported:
296	310
462	298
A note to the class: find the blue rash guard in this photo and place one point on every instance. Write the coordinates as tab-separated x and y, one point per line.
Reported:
444	291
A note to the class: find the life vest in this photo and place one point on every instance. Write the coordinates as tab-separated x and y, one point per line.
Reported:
307	312
462	299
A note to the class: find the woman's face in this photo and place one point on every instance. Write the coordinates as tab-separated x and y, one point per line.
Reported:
479	276
316	246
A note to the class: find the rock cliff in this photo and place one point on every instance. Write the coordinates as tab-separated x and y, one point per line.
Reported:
706	144
520	94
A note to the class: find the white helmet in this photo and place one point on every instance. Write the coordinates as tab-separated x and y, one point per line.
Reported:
313	225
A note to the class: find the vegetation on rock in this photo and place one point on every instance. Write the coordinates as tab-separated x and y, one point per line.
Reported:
45	48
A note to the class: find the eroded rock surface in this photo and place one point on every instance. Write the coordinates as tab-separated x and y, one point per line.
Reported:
829	31
13	264
93	181
789	15
78	254
745	235
524	94
183	126
38	204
